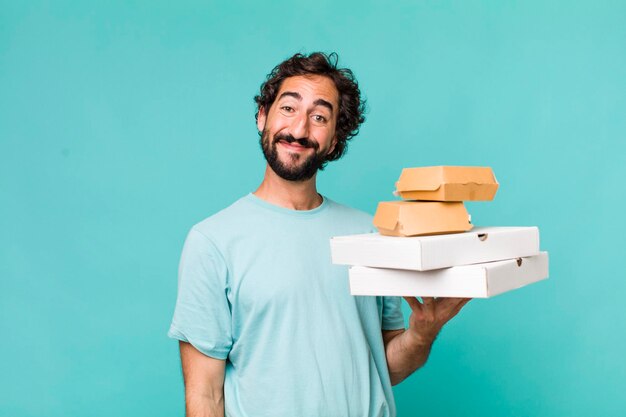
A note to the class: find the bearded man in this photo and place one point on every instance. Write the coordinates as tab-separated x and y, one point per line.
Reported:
266	324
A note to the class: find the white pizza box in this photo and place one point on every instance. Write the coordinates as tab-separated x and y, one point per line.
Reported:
422	253
482	280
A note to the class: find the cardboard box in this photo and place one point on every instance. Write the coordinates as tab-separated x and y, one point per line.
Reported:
482	244
447	183
470	281
413	218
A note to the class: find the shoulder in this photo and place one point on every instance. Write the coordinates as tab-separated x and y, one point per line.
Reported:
209	238
222	221
342	209
358	219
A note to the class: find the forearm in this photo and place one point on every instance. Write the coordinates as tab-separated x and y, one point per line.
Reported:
408	350
203	404
406	353
204	383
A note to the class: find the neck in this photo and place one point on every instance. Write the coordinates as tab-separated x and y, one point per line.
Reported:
295	195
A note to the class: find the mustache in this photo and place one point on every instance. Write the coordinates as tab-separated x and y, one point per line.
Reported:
306	142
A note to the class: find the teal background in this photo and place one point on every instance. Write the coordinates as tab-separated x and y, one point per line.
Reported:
124	123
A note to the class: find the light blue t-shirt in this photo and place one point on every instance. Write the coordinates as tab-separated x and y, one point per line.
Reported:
257	288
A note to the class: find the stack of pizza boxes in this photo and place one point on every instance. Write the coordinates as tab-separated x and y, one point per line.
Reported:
427	246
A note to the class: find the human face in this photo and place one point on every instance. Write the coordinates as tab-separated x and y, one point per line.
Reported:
299	128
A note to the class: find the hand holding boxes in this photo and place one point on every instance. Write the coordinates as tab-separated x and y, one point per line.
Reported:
420	252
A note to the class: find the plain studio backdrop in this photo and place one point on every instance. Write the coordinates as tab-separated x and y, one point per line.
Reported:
124	123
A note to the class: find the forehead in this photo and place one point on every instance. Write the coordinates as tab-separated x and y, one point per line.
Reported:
311	87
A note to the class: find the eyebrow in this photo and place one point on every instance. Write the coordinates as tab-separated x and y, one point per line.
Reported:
318	102
322	102
291	94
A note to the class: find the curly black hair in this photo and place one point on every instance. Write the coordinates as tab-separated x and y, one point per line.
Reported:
351	104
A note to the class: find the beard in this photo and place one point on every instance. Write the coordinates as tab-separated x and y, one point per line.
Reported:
300	167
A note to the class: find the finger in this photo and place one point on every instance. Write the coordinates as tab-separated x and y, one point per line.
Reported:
456	308
446	304
448	307
429	304
428	307
461	304
413	303
428	300
464	301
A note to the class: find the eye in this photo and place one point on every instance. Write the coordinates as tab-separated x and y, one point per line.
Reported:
319	118
287	109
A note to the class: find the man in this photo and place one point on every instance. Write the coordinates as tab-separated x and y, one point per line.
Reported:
266	323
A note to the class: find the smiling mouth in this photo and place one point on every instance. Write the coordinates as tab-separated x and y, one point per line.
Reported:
293	145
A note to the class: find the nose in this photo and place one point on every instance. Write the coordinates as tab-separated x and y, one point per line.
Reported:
299	127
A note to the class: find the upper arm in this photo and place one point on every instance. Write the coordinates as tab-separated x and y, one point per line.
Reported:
392	320
392	317
203	375
202	316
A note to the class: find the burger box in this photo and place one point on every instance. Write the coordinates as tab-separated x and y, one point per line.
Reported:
413	218
447	183
482	280
420	253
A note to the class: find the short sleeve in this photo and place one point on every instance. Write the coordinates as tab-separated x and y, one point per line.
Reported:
202	315
392	313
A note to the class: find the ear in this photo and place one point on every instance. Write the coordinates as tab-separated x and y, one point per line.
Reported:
261	119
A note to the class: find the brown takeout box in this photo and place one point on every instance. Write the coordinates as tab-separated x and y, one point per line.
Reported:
414	218
447	183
